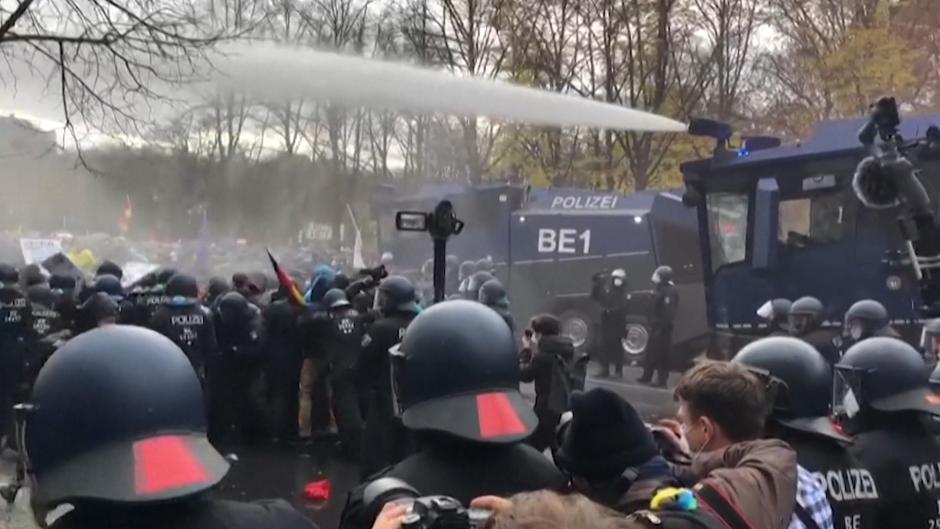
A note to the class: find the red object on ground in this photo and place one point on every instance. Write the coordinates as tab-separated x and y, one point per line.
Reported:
318	490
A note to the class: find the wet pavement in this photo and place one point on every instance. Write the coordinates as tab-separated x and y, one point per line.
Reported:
270	472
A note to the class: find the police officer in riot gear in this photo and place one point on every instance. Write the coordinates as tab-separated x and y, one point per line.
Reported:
665	305
151	297
610	291
236	375
284	351
15	331
864	319
63	297
109	268
183	319
456	376
466	269
776	312
882	392
136	453
493	295
49	331
342	346
476	283
802	383
806	318
384	441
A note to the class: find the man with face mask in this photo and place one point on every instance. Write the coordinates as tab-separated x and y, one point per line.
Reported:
882	392
806	318
775	312
610	291
865	319
665	304
722	410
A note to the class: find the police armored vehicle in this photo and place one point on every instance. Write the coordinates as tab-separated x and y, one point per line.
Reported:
548	244
786	221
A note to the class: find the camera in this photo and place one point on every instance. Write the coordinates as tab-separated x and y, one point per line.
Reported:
424	512
440	223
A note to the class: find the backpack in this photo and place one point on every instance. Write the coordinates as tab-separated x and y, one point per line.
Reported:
714	511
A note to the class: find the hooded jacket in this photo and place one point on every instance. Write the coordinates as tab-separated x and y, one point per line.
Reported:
545	371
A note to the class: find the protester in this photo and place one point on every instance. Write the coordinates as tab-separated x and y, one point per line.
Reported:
610	453
722	410
546	356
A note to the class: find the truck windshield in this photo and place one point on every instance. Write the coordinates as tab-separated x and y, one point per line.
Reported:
727	226
817	219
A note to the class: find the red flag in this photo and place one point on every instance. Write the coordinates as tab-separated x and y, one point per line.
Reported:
286	282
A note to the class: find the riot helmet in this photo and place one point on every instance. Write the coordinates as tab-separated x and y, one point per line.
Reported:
452	262
485	265
618	277
61	282
397	293
182	285
806	314
864	318
9	274
340	281
775	311
467	269
335	299
164	274
110	285
234	309
475	283
110	268
456	371
40	295
884	374
493	294
117	415
801	381
31	275
100	308
662	275
217	287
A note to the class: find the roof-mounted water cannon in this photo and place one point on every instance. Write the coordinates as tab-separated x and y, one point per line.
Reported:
710	128
888	178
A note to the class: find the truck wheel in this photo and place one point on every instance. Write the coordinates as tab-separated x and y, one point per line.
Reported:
636	341
575	325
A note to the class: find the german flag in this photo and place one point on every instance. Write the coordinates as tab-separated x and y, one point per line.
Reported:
286	282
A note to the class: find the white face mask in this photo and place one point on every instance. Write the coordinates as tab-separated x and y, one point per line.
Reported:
618	282
766	311
855	331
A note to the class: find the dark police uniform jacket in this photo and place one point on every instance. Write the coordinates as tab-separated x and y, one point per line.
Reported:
196	514
189	325
464	471
850	487
905	462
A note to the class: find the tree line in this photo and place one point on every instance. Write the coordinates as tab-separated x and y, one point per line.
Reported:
766	66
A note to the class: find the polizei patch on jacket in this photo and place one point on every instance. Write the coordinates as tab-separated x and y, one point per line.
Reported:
186	319
925	477
848	484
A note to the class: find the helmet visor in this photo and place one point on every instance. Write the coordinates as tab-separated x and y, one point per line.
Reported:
396	359
847	391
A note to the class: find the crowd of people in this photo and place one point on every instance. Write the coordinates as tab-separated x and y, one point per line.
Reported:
126	396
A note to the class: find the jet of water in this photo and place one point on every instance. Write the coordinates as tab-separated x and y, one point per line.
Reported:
273	72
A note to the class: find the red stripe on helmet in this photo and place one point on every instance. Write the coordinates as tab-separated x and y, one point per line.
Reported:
497	416
165	463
